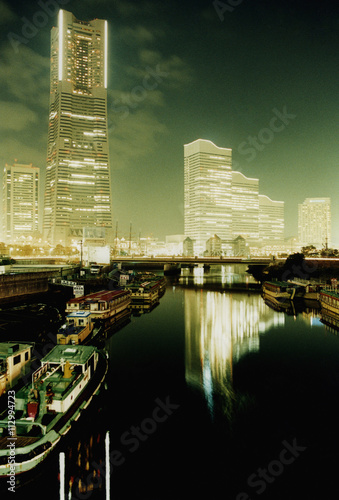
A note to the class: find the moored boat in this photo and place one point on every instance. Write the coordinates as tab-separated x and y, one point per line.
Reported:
44	409
329	300
146	291
281	290
77	328
309	290
102	305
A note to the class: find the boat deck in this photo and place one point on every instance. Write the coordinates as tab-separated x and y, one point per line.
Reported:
20	441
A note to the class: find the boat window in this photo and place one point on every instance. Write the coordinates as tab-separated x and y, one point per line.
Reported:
17	359
26	355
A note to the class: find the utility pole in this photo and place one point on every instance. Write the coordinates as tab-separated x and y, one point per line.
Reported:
130	238
116	239
81	243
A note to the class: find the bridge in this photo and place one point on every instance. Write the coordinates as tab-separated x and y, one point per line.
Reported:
194	261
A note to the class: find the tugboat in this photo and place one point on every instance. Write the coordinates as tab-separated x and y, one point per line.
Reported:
43	410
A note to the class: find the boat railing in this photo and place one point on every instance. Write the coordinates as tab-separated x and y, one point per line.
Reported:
27	422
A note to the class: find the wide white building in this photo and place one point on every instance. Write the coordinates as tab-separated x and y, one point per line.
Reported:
271	221
77	192
245	207
314	222
208	192
20	201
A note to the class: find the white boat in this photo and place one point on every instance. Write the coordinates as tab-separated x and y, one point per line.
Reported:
42	412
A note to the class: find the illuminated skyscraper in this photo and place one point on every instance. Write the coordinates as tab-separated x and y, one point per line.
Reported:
314	222
271	221
77	193
208	192
245	207
20	201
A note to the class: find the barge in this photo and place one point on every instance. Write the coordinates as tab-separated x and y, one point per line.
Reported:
281	290
43	411
102	305
329	300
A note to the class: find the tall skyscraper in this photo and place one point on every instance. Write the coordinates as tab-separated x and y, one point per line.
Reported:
245	207
20	201
314	222
78	191
271	221
208	192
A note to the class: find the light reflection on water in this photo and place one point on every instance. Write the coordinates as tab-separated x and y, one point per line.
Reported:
220	328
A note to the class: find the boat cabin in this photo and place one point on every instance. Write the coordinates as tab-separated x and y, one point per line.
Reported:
14	363
64	373
77	327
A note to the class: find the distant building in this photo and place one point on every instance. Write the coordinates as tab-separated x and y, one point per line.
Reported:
77	192
188	247
207	192
245	207
240	248
213	246
225	203
314	222
174	244
20	201
271	221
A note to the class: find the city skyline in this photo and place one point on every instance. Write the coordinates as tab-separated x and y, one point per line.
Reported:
257	78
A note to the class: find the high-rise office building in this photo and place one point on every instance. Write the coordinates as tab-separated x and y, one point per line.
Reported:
245	207
271	221
314	222
208	192
20	201
78	192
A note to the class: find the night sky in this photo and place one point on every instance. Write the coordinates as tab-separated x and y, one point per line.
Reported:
260	77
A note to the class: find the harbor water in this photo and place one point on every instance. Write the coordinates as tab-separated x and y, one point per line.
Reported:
212	393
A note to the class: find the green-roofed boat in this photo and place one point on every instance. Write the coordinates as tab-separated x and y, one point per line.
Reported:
43	411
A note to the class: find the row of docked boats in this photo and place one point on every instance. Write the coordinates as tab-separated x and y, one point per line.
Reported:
87	315
41	405
327	297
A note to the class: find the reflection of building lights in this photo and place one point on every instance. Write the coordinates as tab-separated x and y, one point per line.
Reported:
219	330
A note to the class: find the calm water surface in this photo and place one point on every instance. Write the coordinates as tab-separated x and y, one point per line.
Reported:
212	393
